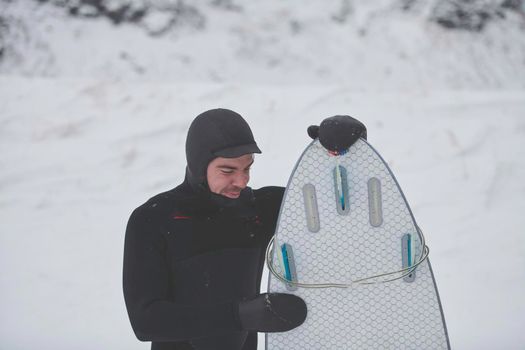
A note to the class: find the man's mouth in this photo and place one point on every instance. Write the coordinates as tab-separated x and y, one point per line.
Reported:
233	194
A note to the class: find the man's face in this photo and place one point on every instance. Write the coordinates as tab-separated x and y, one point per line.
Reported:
228	176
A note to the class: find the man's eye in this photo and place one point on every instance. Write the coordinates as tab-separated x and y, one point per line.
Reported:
226	171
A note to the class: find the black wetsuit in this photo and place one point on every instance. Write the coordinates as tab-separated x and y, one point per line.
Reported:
188	261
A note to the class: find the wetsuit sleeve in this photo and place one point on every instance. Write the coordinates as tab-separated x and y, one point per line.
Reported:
146	288
270	199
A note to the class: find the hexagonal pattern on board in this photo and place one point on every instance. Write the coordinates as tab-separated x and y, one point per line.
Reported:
392	315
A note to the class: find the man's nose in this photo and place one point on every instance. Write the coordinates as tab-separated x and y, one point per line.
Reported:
241	180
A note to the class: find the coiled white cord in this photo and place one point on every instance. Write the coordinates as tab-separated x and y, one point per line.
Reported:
375	279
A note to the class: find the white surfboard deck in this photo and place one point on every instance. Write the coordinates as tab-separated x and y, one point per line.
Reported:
350	245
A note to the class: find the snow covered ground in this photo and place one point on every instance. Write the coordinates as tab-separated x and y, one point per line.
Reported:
368	46
93	120
78	155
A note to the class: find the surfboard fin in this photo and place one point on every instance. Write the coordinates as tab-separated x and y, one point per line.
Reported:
375	205
288	265
310	207
408	254
341	190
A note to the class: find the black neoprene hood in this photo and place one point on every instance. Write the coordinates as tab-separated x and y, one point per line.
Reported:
216	133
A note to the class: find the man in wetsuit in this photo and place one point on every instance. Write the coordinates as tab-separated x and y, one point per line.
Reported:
194	255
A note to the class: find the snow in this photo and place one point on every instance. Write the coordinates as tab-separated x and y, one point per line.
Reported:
369	47
85	138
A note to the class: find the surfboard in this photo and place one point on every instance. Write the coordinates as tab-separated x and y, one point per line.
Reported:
348	244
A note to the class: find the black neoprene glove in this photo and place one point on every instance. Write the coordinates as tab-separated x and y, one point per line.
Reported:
271	312
338	133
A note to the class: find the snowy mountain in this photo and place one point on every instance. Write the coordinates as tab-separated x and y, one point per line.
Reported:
385	45
96	98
